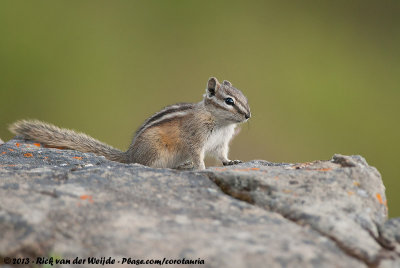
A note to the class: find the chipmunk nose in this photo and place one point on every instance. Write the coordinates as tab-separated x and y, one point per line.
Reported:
247	116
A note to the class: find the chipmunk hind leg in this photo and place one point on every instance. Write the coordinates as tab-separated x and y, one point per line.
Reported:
157	147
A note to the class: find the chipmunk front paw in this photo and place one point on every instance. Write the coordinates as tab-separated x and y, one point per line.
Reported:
231	162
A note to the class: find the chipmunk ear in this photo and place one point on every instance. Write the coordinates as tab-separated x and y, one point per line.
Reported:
212	86
227	83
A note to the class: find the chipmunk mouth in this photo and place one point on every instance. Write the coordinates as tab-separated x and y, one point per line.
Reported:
246	117
243	120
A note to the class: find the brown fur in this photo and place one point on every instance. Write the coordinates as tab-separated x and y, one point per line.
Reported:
175	135
169	135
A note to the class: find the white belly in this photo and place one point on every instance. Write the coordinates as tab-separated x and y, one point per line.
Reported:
220	137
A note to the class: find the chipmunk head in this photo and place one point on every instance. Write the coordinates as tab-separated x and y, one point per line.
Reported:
226	102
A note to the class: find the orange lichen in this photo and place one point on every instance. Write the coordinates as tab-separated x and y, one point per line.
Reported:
17	144
11	150
28	155
78	157
379	197
245	169
3	152
356	183
350	193
318	169
37	144
87	197
324	169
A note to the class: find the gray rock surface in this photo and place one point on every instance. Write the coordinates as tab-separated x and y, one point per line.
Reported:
257	214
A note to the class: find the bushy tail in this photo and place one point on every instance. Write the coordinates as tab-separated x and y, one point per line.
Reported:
53	136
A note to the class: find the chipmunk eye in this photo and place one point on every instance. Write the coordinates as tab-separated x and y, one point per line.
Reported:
229	101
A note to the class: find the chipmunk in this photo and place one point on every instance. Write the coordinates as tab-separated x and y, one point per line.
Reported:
171	138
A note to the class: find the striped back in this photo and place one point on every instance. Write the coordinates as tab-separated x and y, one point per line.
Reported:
166	114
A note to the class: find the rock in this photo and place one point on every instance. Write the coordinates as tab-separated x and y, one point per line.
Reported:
70	204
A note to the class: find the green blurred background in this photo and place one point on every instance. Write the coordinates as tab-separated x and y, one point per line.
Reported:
322	77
